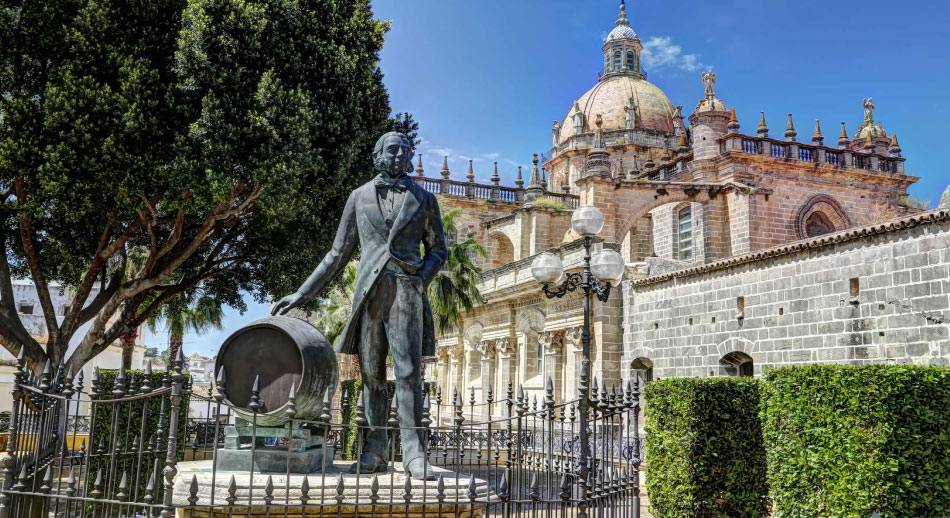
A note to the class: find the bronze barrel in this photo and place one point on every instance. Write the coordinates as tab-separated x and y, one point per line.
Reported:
285	352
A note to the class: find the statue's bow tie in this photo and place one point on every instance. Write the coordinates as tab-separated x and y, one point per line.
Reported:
397	184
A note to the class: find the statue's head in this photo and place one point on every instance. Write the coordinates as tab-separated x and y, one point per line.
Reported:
392	154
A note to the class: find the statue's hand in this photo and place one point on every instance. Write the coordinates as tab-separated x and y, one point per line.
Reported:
287	303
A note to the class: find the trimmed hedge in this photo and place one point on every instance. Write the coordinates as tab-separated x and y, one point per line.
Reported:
850	441
704	453
130	424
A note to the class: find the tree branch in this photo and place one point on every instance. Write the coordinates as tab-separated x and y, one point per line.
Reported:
14	337
36	272
204	232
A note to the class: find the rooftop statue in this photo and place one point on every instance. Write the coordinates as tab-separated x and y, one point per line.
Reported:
389	217
868	110
709	84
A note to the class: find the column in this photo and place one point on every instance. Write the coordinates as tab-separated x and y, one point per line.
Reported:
574	352
457	373
553	343
505	351
486	349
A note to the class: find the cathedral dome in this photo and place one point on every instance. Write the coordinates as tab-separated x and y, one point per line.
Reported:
621	32
873	129
611	97
944	203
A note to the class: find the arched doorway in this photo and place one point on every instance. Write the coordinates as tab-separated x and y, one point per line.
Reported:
736	363
642	370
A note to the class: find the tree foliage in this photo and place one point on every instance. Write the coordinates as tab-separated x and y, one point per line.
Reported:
454	289
215	134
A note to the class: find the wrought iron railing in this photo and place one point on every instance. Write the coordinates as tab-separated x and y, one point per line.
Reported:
122	450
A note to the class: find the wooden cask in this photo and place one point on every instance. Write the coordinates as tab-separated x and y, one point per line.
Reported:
285	352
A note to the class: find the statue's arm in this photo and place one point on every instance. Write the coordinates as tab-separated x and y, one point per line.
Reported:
340	253
433	243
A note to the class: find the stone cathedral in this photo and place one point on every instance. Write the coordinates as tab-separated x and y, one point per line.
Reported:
746	246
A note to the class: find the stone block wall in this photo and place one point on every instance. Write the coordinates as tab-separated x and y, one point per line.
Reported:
875	294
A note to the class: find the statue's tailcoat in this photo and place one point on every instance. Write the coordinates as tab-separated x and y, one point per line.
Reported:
364	223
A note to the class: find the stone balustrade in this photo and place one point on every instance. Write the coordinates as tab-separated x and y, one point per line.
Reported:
491	191
803	152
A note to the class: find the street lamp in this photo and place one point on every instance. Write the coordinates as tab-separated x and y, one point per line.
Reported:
598	273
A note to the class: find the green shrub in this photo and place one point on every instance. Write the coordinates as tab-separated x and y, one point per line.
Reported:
704	453
547	202
123	434
850	441
351	390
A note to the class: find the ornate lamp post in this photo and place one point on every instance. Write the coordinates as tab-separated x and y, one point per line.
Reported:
594	279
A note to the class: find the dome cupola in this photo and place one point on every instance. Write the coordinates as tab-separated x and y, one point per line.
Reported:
622	48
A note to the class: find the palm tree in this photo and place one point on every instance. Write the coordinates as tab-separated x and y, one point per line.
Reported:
454	289
188	311
334	311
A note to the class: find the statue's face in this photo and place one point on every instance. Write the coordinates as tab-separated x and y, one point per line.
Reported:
395	157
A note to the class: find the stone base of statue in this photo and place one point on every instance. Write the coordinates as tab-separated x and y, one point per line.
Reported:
335	492
303	450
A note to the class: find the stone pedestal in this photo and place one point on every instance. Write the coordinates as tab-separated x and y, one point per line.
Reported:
335	492
274	449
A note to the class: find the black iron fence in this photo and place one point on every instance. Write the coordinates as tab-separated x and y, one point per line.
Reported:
506	457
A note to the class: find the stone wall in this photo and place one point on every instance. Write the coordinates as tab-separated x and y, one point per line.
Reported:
874	294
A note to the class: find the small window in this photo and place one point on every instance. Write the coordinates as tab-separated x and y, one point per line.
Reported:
618	60
631	60
740	308
26	309
684	227
855	290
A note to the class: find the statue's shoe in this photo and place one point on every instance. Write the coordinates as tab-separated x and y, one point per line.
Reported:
419	470
369	463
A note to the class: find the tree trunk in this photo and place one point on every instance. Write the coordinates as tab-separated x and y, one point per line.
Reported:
128	346
174	345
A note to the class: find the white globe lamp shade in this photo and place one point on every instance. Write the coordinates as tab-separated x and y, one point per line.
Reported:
607	265
587	220
547	268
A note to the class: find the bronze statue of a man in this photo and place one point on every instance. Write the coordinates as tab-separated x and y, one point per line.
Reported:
389	217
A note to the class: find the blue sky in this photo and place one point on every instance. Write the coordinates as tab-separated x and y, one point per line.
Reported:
485	79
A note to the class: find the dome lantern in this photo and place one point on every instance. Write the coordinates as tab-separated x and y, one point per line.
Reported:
622	48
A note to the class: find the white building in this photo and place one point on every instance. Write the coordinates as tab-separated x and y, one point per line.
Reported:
28	307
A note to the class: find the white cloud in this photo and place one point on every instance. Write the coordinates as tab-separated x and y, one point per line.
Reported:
660	52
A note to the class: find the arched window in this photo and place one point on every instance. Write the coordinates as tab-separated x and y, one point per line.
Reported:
631	60
818	224
820	214
684	233
736	363
618	60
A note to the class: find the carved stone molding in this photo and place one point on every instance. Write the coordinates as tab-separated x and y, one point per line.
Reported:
486	348
572	337
552	341
531	319
505	346
442	353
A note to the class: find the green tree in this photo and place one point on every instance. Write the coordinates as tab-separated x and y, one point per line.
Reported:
454	289
334	311
404	123
187	312
217	134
